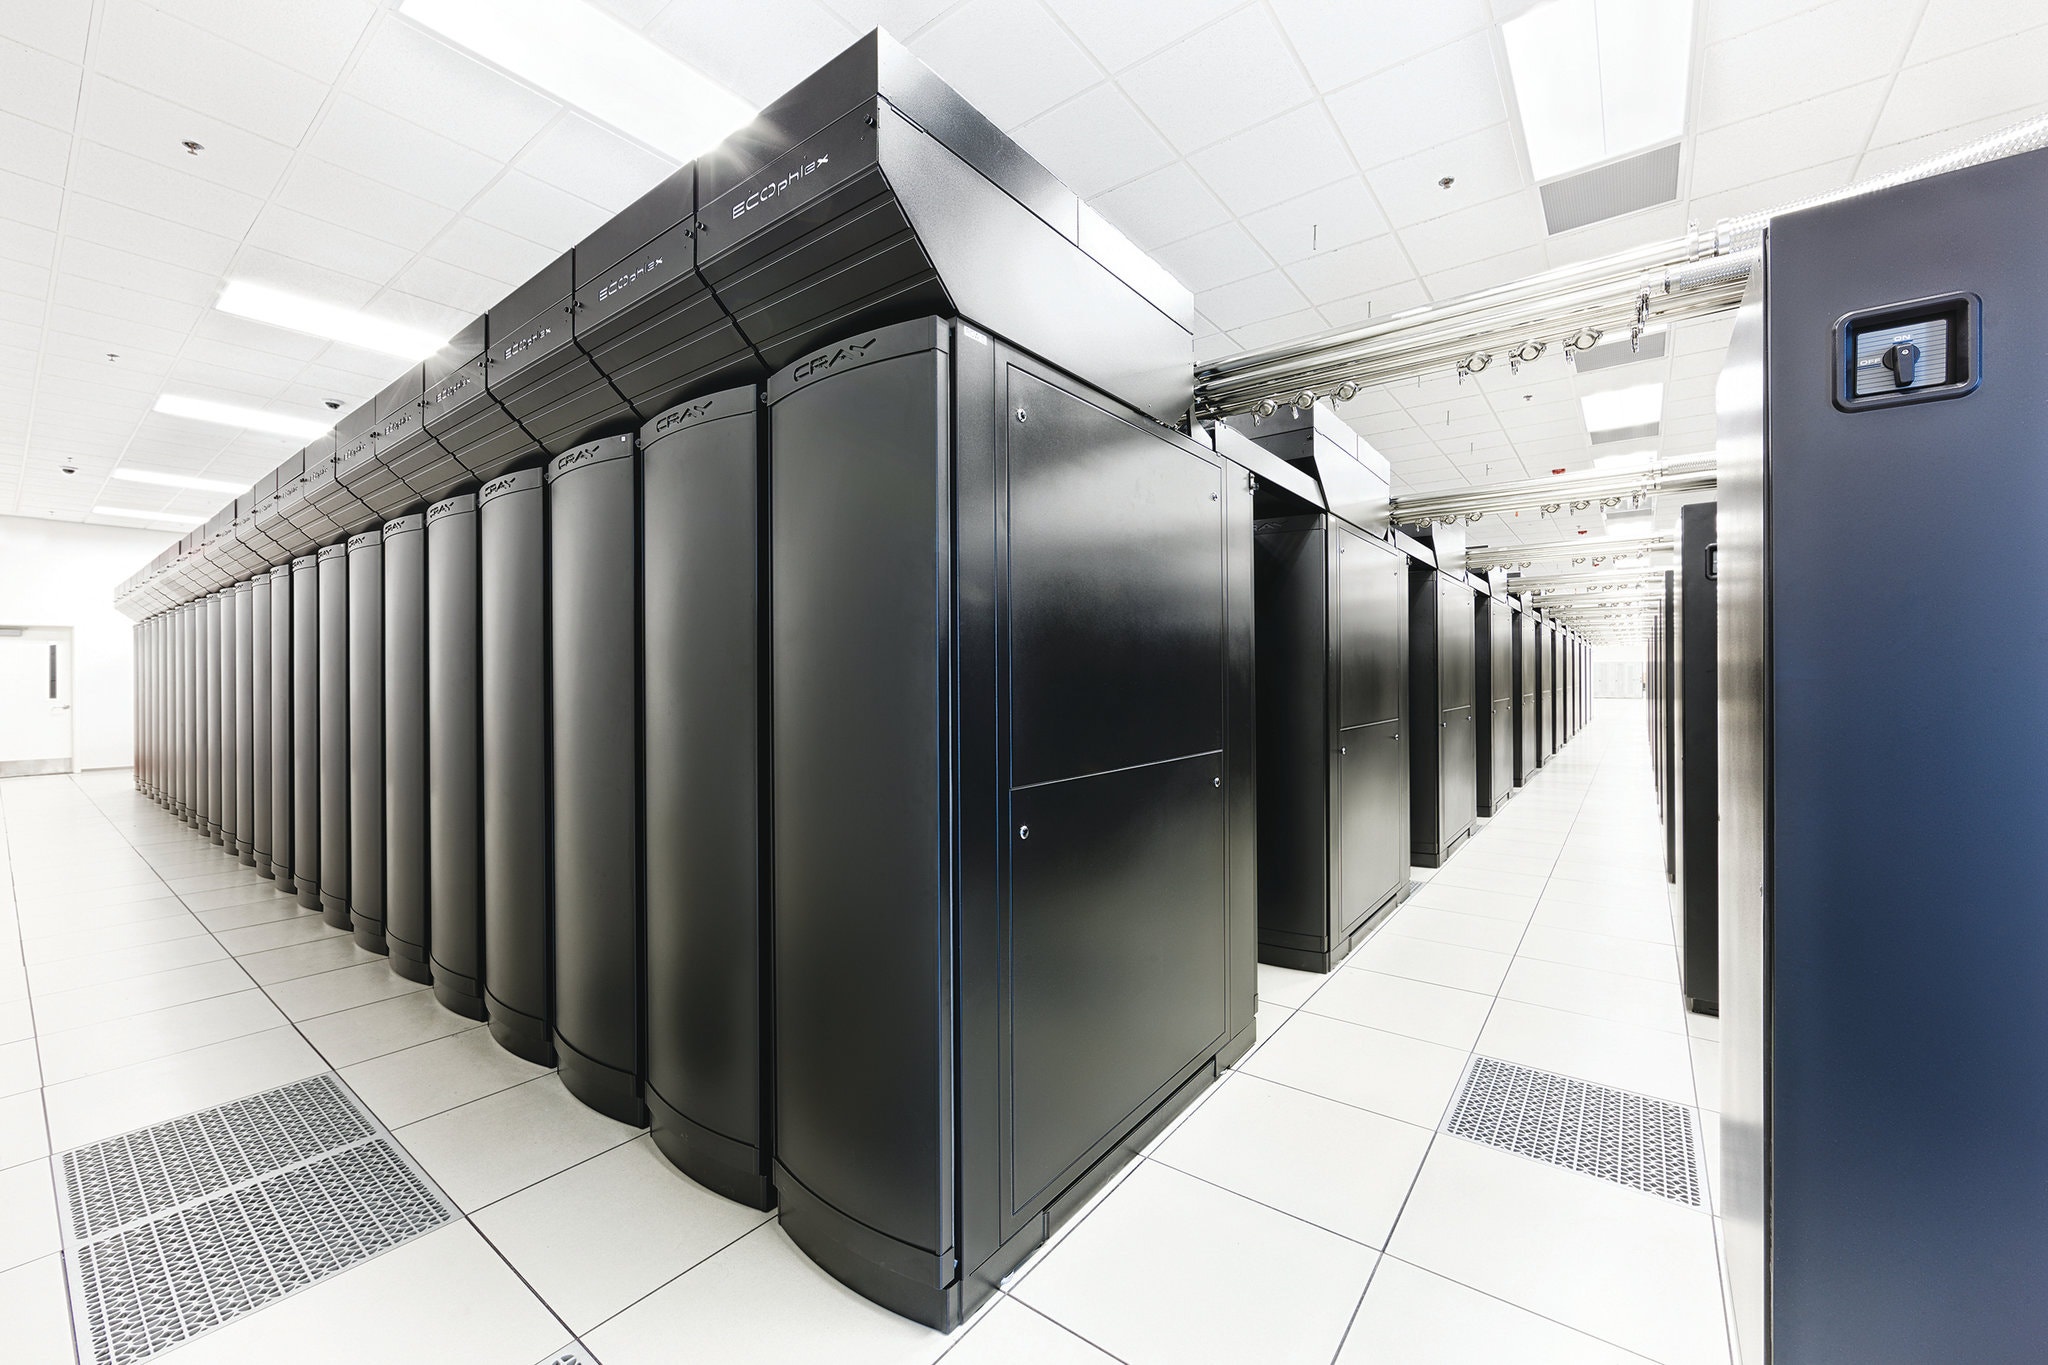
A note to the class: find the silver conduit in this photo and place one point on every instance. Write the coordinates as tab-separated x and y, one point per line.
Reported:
1696	275
1561	494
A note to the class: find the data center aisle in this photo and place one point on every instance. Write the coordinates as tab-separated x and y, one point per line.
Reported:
1312	1208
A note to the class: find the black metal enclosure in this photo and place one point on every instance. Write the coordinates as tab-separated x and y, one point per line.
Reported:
1882	871
367	839
1527	759
600	931
283	731
407	798
1443	762
262	816
1027	751
455	907
1493	690
705	592
332	563
241	685
518	919
1665	712
305	678
1697	785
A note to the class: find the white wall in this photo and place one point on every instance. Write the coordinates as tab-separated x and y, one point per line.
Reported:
58	573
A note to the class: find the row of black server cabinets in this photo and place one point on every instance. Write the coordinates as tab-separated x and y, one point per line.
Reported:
1400	698
1680	680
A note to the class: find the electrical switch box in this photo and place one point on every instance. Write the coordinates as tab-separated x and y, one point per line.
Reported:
1907	353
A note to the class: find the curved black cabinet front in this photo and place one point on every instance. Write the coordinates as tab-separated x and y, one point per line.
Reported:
306	865
332	562
454	758
366	738
405	747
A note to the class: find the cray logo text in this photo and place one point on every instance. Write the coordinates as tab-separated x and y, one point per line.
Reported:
825	360
775	187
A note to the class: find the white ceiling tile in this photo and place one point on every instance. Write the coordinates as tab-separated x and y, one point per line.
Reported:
1095	141
1008	57
113	175
1763	195
100	220
26	244
116	301
1981	83
450	285
35	203
1658	224
58	28
325	242
1120	32
1836	45
226	329
321	188
123	269
1359	268
1433	99
1475	233
154	129
1482	166
902	19
492	252
756	51
1343	40
1889	157
1786	140
1233	305
27	281
1955	25
632	13
1223	79
1322	220
414	311
1210	349
36	85
112	333
1219	256
1276	160
1279	331
522	205
1375	304
314	39
190	66
593	163
31	149
415	76
1485	274
400	154
296	275
1165	206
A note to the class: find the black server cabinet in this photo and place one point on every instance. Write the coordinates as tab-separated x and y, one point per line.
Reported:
1526	756
518	918
208	727
245	744
1666	736
196	712
366	846
1493	689
332	565
283	732
1332	641
406	800
1443	763
1882	872
455	902
1698	784
224	660
704	592
306	864
261	815
1014	826
1546	633
600	932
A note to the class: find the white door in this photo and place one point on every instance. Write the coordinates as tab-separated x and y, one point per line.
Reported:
35	700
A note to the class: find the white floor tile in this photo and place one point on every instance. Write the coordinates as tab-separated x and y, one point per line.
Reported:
1444	964
161	990
83	932
28	1214
130	1097
1342	1168
1411	1317
109	969
1172	1271
18	1070
259	892
1490	879
1402	1078
1602	952
445	1297
252	939
1648	920
1419	1009
606	1233
1625	1056
308	997
78	1052
406	1086
356	1035
22	1134
1011	1333
332	953
1605	995
1706	1072
1452	926
761	1302
37	1314
490	1148
268	910
1625	1267
1285	986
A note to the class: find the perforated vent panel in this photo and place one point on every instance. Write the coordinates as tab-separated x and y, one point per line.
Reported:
1646	1144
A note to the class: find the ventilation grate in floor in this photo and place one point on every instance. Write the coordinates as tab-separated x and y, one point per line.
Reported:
176	1229
1646	1144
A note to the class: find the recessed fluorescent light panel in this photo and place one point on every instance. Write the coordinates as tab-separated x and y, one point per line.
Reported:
581	55
1626	461
1614	409
261	303
1598	79
163	480
249	419
136	514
